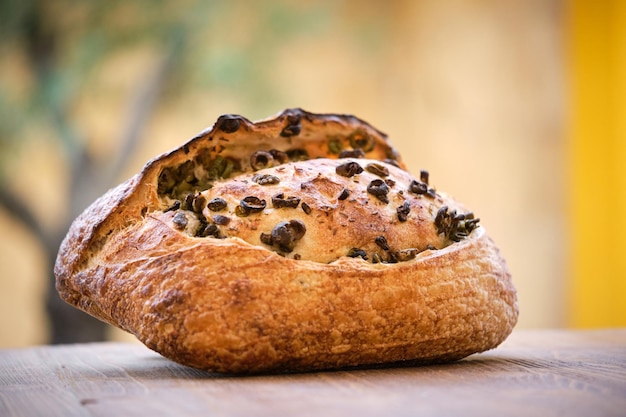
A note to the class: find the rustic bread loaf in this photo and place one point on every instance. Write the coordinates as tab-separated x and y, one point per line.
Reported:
294	243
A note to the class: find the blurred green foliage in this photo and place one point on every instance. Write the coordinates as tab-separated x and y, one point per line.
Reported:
222	48
64	41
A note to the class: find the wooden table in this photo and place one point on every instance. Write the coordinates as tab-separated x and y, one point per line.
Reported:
534	373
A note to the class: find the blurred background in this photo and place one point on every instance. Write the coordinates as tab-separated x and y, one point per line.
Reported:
516	108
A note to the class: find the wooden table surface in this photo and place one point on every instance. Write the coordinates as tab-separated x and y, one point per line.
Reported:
534	373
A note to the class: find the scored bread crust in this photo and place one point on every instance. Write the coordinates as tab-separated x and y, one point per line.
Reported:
236	302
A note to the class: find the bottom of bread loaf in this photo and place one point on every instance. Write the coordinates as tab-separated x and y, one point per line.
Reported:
228	306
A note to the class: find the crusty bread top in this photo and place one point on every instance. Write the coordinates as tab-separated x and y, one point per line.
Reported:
224	161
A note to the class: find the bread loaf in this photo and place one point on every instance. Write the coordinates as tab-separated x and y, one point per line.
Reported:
290	244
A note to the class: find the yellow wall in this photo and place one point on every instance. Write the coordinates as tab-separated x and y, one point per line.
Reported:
597	229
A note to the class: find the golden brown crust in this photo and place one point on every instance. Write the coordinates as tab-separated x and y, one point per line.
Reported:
236	301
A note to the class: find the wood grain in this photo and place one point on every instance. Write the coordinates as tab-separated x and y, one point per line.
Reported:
541	372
